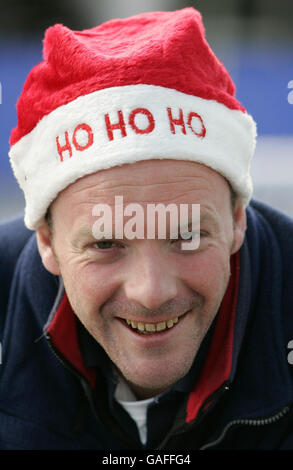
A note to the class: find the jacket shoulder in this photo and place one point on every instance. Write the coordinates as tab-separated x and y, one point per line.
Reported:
275	235
13	237
281	223
266	221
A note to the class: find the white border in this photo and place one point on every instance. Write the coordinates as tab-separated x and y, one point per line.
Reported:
227	147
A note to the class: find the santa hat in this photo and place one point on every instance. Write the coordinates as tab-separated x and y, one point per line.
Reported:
140	88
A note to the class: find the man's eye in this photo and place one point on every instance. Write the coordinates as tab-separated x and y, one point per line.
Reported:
105	244
189	236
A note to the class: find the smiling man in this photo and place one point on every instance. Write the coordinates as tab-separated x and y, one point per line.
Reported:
117	341
147	282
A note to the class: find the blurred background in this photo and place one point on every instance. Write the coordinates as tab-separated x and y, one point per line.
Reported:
253	38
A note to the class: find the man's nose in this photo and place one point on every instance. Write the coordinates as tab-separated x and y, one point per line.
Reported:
150	280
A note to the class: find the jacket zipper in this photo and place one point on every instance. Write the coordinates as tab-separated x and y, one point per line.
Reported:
247	422
86	386
213	398
66	364
223	388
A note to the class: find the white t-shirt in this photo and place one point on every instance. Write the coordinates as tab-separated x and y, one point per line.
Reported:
137	409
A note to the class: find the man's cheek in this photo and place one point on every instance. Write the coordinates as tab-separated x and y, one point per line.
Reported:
205	269
89	288
86	291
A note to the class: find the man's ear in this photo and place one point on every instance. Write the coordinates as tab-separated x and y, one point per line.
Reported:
239	227
46	250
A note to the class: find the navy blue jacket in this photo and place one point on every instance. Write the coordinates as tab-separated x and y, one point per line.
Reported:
50	399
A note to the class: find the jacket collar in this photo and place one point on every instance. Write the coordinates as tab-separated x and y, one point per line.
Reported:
217	369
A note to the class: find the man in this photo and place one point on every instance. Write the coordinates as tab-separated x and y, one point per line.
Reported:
117	341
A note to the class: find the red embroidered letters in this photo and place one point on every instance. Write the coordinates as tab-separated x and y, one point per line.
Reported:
120	124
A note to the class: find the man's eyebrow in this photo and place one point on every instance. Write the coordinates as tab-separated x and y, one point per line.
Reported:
86	233
195	224
82	233
212	220
204	217
207	217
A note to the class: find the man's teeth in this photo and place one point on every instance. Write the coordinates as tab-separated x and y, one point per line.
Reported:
152	327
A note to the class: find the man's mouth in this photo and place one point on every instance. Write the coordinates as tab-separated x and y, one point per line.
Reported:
151	328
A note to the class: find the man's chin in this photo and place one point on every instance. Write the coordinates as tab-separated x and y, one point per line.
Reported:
153	382
144	390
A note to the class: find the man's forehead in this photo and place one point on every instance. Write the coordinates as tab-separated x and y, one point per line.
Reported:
146	184
146	174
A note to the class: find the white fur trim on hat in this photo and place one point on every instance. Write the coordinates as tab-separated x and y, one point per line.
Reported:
127	124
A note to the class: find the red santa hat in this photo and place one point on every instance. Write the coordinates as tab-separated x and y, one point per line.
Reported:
140	88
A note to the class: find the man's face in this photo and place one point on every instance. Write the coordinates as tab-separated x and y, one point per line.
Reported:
148	281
